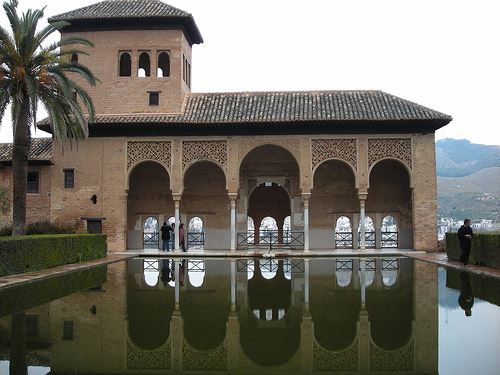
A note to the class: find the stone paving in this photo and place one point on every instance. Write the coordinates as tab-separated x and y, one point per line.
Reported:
437	258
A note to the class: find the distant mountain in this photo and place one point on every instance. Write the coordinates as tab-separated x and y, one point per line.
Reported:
476	196
460	157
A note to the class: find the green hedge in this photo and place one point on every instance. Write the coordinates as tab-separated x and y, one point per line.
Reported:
32	253
22	297
485	248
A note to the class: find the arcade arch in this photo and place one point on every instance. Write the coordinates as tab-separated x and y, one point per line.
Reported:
334	195
390	193
269	186
205	200
149	195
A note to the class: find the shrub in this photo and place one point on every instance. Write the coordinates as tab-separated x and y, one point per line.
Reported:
32	253
43	227
485	248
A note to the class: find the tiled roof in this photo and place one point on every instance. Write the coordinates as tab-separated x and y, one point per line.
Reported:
122	9
285	108
40	150
131	10
248	107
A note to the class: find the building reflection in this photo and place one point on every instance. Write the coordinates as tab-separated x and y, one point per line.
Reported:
252	316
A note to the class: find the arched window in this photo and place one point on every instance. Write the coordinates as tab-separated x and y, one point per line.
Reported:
151	272
343	233
287	229
389	232
125	64
196	272
268	230
250	230
74	58
150	233
144	69
369	232
195	234
268	268
163	65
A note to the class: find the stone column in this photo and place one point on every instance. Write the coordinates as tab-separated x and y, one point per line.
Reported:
306	327
362	201
305	199
177	285
232	197
233	285
177	202
378	231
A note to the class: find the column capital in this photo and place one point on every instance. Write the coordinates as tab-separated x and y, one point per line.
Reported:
362	195
232	196
306	196
176	197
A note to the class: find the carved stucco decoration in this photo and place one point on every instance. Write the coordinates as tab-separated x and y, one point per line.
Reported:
344	149
398	148
142	359
204	150
159	151
344	360
212	360
391	360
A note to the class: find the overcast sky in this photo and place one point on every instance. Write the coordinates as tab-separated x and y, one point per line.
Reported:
443	54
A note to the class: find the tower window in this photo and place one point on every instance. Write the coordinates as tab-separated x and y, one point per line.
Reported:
33	183
125	65
163	65
74	58
154	98
69	178
144	69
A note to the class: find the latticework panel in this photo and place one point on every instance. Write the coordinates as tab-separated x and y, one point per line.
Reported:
204	150
398	148
326	360
209	360
344	149
141	359
391	360
138	151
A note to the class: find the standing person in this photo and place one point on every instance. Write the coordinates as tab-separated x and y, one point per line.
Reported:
465	237
182	238
165	236
466	299
172	235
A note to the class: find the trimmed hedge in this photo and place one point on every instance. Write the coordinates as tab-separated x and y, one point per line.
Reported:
485	249
486	288
25	296
37	252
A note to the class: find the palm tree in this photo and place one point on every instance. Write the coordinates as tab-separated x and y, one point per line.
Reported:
31	74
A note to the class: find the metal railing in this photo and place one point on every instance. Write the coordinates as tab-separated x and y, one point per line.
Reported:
389	239
151	240
195	240
370	239
343	240
290	238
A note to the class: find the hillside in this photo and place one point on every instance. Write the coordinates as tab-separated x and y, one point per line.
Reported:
460	157
476	196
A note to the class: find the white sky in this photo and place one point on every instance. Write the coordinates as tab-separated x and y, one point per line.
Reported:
443	54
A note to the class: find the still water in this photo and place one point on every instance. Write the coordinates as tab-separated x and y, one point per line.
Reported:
253	316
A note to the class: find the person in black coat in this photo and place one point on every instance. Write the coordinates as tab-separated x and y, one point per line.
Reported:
465	237
466	299
165	236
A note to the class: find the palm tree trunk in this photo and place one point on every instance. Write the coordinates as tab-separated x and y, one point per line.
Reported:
20	170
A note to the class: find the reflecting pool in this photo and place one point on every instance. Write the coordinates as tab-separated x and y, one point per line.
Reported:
253	316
